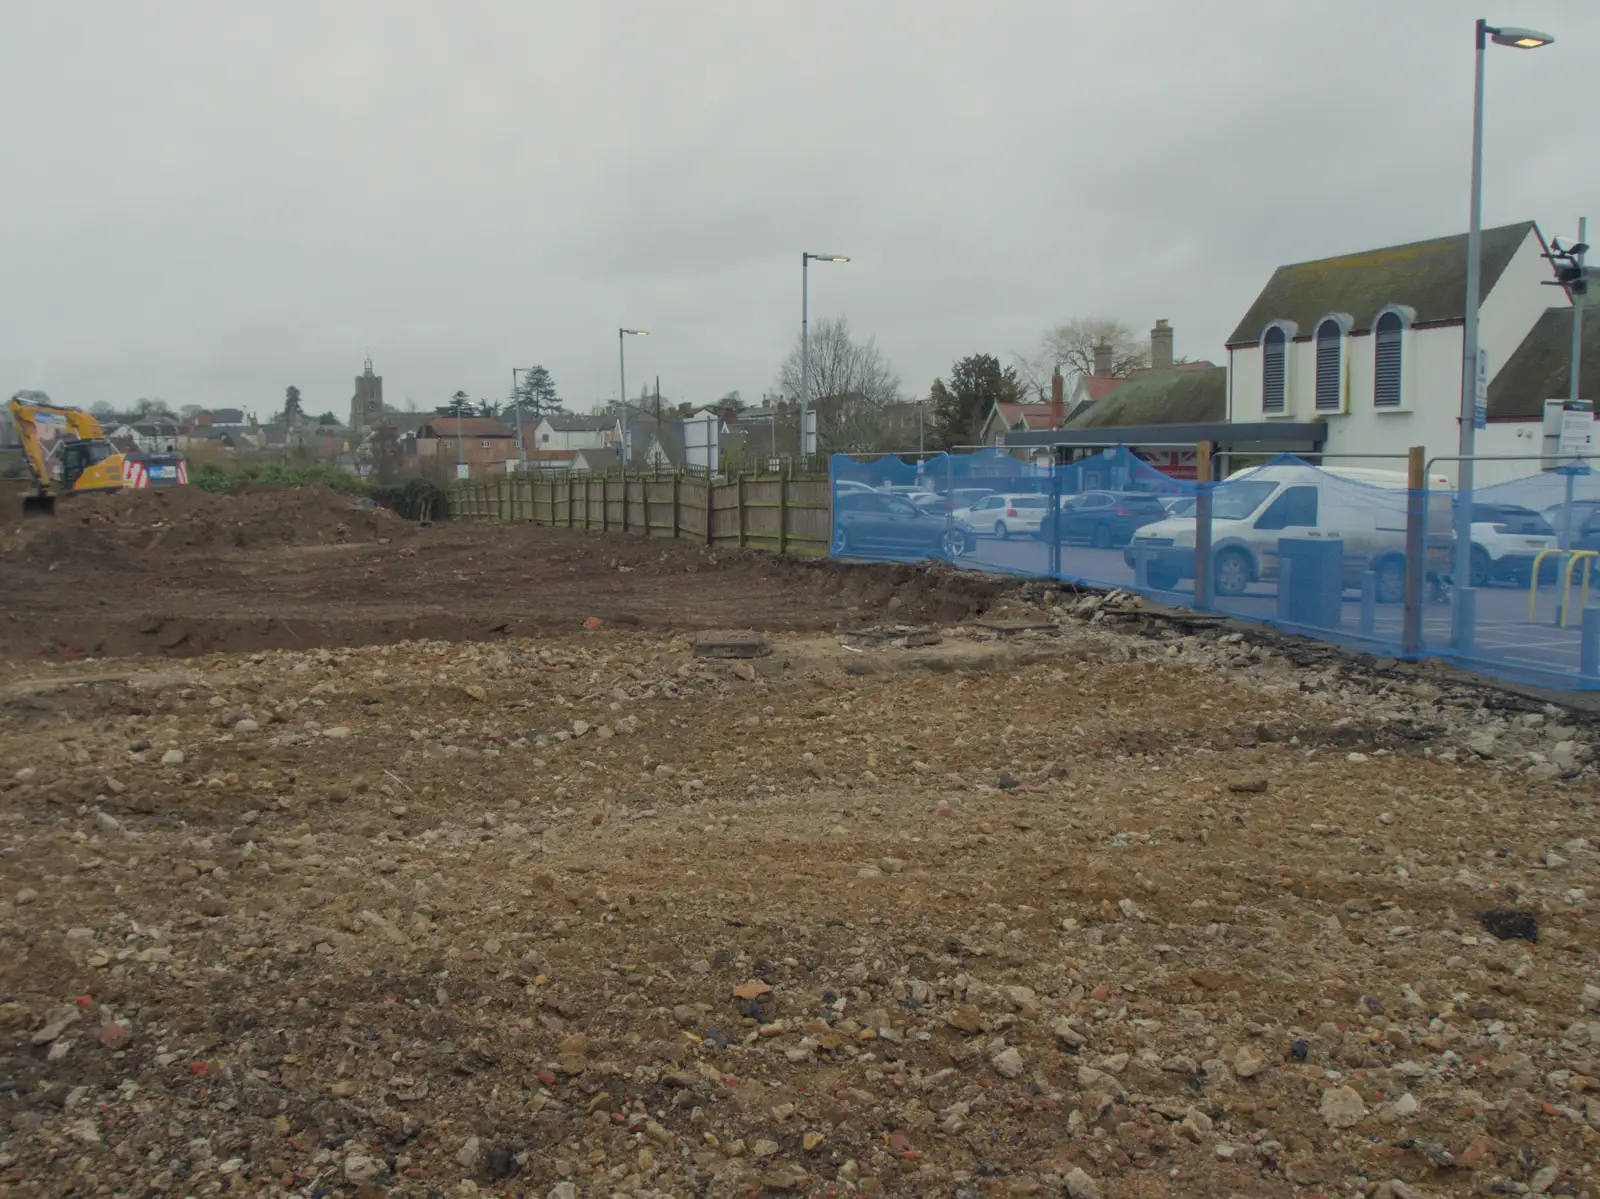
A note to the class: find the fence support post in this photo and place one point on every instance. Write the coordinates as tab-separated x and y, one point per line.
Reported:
1141	567
1054	520
1202	525
1369	602
710	491
677	478
1589	648
570	504
1416	551
740	484
1285	571
783	507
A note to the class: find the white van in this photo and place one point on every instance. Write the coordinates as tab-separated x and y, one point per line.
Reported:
1364	509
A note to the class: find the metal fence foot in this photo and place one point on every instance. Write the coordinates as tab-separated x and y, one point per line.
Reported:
1369	603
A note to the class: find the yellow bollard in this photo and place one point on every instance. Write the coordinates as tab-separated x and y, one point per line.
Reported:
1533	580
1586	557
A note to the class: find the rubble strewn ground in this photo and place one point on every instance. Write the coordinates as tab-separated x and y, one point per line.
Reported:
1063	900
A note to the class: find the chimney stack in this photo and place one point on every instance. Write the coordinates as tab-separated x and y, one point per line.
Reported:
1161	346
1058	410
1102	358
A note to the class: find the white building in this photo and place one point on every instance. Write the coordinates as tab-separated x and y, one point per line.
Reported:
564	431
1371	344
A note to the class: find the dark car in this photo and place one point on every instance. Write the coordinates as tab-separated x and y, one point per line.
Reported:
1102	518
871	524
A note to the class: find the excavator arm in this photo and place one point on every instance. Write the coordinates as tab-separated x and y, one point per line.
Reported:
26	408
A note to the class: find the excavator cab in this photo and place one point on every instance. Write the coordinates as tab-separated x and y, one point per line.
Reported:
78	456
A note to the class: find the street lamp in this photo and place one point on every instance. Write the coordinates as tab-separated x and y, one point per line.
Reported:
622	377
1461	611
516	400
805	335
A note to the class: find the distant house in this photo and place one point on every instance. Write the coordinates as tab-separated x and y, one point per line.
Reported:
597	461
150	436
565	431
482	442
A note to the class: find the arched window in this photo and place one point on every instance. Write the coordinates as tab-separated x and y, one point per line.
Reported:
1387	334
1274	353
1330	345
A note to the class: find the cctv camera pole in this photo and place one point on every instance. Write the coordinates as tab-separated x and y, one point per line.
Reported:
1577	304
1577	360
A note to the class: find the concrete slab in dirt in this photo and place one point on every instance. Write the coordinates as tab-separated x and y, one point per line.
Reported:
724	644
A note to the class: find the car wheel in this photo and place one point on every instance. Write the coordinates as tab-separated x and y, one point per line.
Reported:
841	543
953	544
1000	530
1478	575
1163	580
1101	537
1391	581
1233	573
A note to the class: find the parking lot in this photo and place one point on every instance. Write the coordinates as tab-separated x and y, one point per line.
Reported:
1505	641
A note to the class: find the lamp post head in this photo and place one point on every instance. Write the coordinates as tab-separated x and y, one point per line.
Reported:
634	332
1520	39
827	257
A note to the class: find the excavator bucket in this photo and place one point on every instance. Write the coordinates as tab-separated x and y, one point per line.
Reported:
38	505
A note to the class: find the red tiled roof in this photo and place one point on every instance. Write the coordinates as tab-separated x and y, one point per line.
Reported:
471	426
553	455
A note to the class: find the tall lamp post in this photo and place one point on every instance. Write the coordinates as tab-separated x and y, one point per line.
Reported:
805	335
516	400
1462	615
622	383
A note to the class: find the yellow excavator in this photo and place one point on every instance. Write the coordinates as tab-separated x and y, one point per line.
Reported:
68	454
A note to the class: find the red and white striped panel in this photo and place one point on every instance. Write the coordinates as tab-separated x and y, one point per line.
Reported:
183	470
135	474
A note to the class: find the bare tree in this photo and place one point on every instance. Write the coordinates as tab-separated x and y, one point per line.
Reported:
1071	347
852	387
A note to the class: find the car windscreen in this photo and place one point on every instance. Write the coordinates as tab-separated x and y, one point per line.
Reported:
1235	501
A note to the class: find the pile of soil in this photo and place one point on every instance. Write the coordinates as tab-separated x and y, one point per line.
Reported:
189	518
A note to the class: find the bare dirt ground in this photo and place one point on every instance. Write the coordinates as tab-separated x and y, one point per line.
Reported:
180	572
1102	908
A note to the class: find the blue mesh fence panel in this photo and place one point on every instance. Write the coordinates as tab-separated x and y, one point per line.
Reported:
1323	552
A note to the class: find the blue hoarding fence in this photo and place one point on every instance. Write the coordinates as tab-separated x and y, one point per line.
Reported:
1348	555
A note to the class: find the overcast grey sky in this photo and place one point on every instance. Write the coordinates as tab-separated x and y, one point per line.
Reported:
209	201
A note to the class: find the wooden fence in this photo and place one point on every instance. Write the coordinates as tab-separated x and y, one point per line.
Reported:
788	514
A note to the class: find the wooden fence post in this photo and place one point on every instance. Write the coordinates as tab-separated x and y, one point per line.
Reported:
710	505
624	499
783	507
677	477
570	504
1202	525
605	503
1416	551
739	483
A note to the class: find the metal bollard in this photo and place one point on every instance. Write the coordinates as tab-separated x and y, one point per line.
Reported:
1284	571
1369	602
1589	647
1141	568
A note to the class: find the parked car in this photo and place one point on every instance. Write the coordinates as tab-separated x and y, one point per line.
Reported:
870	522
840	486
1365	509
1102	518
1505	540
909	490
1585	522
1004	515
